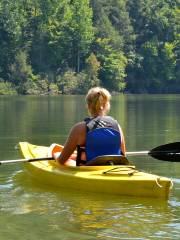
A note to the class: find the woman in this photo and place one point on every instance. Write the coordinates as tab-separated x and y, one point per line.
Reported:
99	134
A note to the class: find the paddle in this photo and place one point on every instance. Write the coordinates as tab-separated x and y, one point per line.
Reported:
168	152
25	160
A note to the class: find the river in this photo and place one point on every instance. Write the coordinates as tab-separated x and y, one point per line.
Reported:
29	210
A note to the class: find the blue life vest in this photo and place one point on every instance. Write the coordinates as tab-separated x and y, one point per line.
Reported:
102	138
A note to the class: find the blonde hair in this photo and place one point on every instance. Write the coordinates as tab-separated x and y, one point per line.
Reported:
97	99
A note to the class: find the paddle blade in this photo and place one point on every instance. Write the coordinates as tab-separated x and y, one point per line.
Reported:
168	152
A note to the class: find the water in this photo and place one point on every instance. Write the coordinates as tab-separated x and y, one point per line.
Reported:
29	210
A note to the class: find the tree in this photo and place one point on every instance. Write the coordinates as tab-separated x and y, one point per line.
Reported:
36	34
156	24
111	19
92	70
115	43
21	72
82	30
112	73
11	22
71	34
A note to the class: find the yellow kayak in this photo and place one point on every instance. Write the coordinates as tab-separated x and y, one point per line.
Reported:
118	179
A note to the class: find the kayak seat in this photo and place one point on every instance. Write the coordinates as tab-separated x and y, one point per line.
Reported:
108	160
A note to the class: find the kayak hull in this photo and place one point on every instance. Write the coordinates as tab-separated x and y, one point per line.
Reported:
119	179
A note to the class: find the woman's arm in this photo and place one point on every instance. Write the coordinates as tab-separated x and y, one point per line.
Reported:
76	137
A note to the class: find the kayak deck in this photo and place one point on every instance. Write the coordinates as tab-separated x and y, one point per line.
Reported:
117	179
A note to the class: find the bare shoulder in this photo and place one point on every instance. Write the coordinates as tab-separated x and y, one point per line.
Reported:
79	127
78	133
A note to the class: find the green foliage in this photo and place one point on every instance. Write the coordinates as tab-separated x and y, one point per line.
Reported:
53	89
71	33
82	29
112	21
83	83
124	45
169	61
10	33
21	72
38	87
113	66
6	88
67	82
76	83
156	46
92	71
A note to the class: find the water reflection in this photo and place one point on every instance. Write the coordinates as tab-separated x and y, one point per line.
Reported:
31	211
101	216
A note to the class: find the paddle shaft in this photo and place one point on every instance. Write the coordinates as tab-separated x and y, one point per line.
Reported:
149	153
137	153
164	155
168	152
25	160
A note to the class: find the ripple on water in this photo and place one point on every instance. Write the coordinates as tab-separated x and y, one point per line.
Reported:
176	180
5	183
174	202
107	217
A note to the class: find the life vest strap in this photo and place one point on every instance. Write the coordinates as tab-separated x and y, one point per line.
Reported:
79	161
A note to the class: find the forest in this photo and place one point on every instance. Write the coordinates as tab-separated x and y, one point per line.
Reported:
68	46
